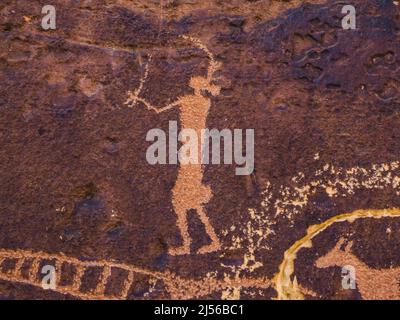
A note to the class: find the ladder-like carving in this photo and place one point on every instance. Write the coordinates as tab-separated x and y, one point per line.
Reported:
176	287
38	259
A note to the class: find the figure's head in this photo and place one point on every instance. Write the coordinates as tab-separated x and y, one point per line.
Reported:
203	84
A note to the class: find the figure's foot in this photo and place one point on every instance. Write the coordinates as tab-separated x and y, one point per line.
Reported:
212	247
179	251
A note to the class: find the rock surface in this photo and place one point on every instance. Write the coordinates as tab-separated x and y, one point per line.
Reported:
323	102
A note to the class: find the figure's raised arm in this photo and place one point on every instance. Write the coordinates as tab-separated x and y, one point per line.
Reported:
132	100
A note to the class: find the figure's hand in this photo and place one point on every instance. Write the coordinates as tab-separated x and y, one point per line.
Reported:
132	99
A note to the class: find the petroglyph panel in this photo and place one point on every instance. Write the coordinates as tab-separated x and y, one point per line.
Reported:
77	192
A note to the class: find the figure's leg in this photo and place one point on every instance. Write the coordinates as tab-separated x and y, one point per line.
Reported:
182	224
215	244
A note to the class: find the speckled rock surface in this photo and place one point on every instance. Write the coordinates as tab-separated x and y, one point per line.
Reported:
323	102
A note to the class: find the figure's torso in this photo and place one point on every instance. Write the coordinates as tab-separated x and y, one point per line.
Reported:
194	111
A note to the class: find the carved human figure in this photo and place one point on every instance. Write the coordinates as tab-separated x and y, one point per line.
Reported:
189	192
